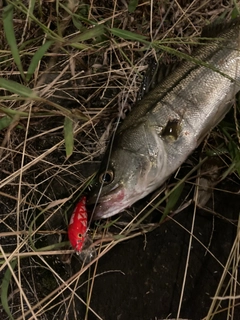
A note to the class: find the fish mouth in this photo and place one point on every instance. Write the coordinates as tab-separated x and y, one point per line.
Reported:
108	205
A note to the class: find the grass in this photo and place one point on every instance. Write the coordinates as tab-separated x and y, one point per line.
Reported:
68	70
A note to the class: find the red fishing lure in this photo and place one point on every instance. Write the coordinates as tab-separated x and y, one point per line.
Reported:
77	229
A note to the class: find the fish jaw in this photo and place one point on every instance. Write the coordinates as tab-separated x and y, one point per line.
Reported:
111	204
116	202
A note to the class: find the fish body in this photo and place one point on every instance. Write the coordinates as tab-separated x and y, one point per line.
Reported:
168	124
77	228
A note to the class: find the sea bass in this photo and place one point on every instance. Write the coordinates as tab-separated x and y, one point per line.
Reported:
168	124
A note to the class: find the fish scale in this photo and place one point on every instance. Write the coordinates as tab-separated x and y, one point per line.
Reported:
168	124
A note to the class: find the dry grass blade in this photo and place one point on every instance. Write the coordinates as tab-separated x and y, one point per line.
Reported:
68	136
70	72
226	285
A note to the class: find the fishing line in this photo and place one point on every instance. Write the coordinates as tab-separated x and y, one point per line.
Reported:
121	111
107	166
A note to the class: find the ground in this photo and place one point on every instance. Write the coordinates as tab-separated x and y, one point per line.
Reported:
143	277
68	72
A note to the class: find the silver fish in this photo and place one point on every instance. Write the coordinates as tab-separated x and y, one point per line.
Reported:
168	124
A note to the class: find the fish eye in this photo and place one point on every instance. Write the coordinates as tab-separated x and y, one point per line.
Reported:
106	177
80	236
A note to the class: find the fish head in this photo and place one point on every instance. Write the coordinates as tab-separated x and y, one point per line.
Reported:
127	174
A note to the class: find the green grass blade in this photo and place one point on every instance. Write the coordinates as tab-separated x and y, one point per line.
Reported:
4	289
79	46
11	113
31	6
5	122
68	136
77	16
77	23
235	155
235	11
132	5
172	200
54	246
94	32
37	58
10	36
233	149
128	35
17	88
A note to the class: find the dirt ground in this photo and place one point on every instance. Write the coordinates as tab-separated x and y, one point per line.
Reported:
142	278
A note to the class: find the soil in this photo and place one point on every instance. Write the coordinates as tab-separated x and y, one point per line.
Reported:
142	278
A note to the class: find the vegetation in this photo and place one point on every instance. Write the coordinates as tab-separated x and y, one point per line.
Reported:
68	70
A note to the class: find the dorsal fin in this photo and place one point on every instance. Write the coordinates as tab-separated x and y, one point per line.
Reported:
158	71
155	73
215	28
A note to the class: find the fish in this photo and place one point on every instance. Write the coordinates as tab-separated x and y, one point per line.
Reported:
77	228
168	124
